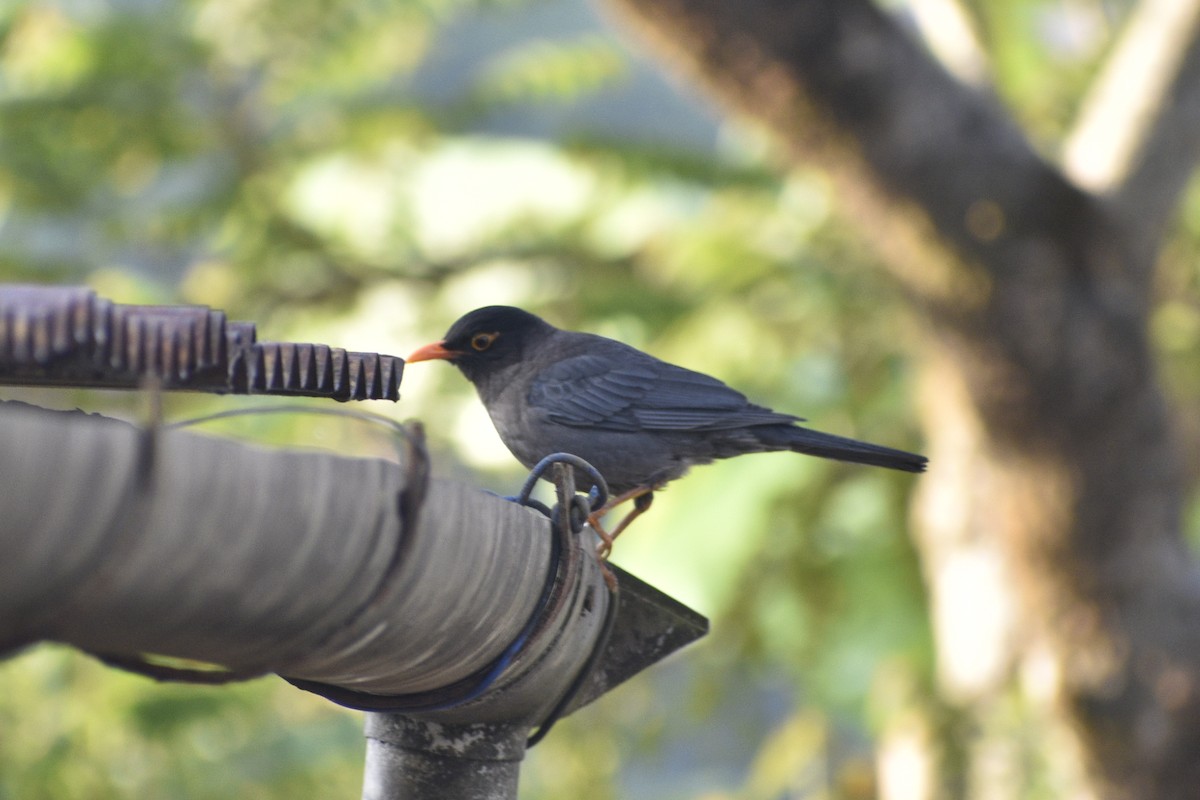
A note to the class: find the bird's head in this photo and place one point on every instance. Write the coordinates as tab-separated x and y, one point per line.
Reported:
485	340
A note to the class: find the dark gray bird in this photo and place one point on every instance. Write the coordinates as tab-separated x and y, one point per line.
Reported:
638	420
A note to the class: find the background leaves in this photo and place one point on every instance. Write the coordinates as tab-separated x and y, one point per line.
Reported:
361	174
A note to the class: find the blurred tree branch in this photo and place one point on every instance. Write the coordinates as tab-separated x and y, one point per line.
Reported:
1138	136
1044	410
951	33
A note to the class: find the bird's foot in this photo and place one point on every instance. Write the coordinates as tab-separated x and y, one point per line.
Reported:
606	539
642	497
603	550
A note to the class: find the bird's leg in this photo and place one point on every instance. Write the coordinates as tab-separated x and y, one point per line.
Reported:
642	497
640	504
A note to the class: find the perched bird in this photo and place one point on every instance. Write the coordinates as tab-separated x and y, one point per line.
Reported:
638	420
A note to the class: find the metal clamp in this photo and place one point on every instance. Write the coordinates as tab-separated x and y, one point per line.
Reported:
580	509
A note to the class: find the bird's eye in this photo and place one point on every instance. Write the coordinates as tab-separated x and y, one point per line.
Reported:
482	341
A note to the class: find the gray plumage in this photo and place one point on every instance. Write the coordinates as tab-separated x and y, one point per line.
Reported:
639	420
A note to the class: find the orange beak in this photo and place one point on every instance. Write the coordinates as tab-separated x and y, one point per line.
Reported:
431	352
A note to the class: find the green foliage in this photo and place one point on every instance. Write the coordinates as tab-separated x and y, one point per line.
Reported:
549	71
281	159
76	729
1044	55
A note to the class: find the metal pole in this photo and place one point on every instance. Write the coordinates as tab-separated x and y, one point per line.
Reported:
409	758
318	567
354	578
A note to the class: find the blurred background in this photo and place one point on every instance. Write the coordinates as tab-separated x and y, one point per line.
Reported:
362	173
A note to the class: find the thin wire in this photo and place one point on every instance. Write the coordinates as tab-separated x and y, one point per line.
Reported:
597	495
397	428
567	523
585	671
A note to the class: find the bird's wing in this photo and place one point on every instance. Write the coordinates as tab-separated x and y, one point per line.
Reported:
641	393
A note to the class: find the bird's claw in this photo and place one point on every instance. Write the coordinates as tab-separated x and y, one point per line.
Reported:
604	549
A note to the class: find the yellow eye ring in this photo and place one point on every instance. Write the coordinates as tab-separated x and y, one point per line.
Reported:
482	341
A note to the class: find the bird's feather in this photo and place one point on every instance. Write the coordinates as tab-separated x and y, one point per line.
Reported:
642	393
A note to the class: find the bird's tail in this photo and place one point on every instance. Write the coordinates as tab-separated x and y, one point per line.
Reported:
841	448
